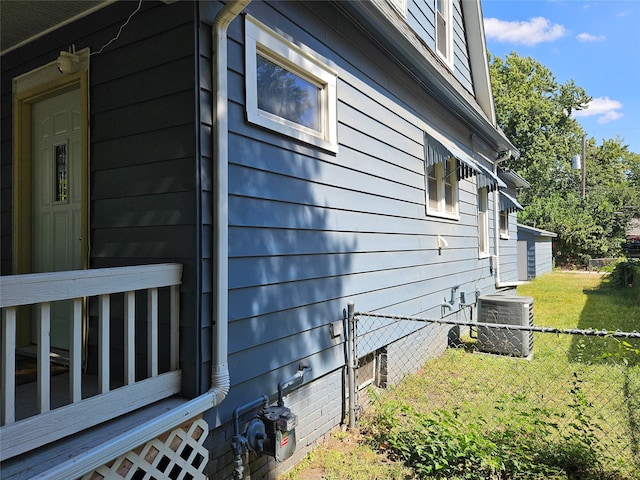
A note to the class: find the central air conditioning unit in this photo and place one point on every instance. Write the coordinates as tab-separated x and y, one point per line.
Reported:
505	310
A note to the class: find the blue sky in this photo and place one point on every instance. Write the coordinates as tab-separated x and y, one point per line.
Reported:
594	43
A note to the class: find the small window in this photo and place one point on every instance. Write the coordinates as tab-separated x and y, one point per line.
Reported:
442	188
504	224
443	29
483	221
61	187
290	89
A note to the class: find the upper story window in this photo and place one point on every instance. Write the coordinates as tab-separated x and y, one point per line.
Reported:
444	29
290	89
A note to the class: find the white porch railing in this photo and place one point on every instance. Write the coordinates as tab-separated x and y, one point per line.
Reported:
41	289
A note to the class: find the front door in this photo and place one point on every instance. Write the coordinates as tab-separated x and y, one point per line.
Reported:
56	196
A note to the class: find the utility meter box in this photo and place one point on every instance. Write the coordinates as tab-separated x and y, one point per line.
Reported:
280	428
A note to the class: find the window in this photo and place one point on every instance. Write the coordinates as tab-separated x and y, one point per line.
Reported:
507	205
443	29
443	170
483	221
290	89
442	188
504	224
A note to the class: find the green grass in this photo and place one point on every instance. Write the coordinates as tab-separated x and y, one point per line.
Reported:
345	456
575	403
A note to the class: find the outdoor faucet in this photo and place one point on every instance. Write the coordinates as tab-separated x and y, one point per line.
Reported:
453	292
445	306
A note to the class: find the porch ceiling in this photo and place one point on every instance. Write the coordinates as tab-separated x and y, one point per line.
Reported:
21	20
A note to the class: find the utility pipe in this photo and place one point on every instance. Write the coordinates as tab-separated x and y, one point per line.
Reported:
220	382
287	381
496	225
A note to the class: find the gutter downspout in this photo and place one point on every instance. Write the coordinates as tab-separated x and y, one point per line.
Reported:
220	381
496	224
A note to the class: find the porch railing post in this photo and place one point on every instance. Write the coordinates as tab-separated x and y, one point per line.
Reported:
75	360
33	424
130	337
7	408
44	349
152	333
103	343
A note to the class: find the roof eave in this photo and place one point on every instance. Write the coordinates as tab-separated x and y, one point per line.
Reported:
384	25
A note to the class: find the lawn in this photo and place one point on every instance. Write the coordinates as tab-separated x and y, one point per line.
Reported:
570	411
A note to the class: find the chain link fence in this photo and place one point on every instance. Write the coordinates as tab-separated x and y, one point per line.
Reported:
503	370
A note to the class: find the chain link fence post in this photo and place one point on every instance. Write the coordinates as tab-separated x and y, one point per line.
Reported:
352	359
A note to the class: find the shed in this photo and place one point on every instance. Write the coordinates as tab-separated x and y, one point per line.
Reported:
535	252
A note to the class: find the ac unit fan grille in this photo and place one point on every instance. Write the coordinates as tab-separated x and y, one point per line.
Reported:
505	310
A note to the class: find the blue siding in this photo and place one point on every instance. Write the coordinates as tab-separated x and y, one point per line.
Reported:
539	252
421	18
509	252
462	67
143	160
544	255
310	230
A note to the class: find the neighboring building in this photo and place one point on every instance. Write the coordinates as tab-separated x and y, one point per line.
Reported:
535	252
193	192
631	247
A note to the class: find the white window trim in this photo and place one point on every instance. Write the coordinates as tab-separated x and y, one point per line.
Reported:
441	211
448	18
483	222
504	233
303	62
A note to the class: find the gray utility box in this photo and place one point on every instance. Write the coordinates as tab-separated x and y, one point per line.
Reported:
505	310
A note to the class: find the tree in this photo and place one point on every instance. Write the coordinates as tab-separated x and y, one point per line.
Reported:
534	111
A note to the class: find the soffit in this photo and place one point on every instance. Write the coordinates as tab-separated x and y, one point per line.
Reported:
22	20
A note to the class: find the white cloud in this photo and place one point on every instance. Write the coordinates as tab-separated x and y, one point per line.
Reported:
535	31
587	37
603	107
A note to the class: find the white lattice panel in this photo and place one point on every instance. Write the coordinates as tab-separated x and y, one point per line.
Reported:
177	455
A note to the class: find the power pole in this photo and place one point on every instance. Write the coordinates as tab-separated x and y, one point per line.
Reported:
584	165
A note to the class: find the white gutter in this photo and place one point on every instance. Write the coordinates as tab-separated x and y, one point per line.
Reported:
496	226
220	381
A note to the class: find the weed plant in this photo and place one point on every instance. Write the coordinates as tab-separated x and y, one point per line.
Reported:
572	412
528	444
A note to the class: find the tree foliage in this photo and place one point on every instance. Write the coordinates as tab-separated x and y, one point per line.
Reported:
534	111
